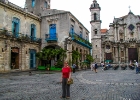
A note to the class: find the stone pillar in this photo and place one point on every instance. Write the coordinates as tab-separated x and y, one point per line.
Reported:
69	53
7	59
113	53
138	54
118	34
102	55
115	34
116	51
23	58
126	55
124	32
138	27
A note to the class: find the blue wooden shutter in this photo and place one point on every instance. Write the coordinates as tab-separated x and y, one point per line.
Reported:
15	26
18	26
45	4
32	58
33	32
72	29
33	3
52	31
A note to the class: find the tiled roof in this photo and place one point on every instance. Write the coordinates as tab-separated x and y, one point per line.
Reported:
103	30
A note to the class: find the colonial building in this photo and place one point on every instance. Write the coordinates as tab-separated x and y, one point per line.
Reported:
119	44
25	31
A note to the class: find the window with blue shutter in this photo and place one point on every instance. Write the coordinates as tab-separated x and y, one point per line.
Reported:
52	30
72	29
46	4
33	32
15	26
80	34
33	3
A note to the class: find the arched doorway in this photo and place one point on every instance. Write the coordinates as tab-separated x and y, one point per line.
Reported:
14	58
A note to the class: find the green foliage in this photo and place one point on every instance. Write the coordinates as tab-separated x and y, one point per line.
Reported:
89	58
75	56
59	64
48	54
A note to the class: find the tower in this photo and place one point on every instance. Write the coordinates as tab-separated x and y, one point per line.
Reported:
37	6
95	31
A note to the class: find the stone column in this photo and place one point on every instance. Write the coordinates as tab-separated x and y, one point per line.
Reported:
119	58
118	34
126	55
124	32
113	53
22	58
138	54
116	51
138	27
115	34
103	52
69	53
7	59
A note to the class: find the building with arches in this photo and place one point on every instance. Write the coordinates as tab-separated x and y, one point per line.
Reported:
25	31
118	44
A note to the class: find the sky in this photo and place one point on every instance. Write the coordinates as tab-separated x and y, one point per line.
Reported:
80	9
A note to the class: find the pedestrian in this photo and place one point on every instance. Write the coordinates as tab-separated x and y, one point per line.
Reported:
95	67
91	67
137	67
66	75
73	68
102	65
13	65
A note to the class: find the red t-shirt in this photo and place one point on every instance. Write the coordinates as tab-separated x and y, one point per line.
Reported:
65	72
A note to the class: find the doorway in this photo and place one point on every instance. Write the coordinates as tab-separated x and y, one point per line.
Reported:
32	59
108	58
132	54
14	58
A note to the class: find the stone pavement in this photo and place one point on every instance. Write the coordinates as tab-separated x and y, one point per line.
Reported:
88	85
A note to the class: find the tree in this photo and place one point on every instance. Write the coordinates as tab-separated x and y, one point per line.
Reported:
75	56
89	59
50	53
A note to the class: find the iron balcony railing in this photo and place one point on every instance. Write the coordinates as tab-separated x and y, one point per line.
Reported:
19	36
78	39
51	37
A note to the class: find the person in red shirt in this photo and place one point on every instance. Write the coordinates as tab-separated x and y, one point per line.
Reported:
66	75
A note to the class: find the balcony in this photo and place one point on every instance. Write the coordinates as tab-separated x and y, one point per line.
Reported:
51	37
19	36
78	39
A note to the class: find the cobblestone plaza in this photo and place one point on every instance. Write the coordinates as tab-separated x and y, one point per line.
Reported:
88	85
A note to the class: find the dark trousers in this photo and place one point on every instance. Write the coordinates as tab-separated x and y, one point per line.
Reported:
73	70
65	88
137	70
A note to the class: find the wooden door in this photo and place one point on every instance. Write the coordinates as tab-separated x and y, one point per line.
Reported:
132	54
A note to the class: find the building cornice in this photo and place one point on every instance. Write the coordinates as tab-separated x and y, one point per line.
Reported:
20	10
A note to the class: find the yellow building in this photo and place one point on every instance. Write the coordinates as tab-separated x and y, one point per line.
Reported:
19	37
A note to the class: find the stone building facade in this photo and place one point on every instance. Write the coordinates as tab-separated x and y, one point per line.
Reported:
119	44
25	31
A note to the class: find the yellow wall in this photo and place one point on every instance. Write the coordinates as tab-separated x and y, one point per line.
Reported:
7	14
